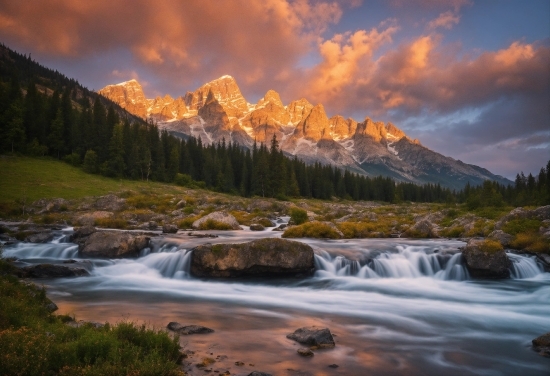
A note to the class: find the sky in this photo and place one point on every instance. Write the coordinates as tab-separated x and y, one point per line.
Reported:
470	79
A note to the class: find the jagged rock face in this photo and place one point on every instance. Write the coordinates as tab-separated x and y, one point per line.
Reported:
298	110
128	95
342	128
369	128
315	126
225	91
218	110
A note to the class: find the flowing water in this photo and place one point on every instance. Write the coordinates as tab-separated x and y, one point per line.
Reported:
396	306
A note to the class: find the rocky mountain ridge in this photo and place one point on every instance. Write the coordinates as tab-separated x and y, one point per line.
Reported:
218	110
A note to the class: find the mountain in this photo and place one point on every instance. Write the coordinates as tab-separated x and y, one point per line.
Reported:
218	110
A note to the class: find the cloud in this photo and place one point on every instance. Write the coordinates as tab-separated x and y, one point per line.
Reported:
445	20
178	40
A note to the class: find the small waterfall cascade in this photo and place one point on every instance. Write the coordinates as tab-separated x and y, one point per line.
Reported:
524	266
410	263
171	264
55	250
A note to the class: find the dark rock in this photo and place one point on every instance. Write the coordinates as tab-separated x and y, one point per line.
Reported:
188	329
305	352
40	237
257	373
544	258
52	307
52	271
201	235
542	344
502	237
169	229
259	257
313	336
256	227
334	366
81	234
113	244
485	264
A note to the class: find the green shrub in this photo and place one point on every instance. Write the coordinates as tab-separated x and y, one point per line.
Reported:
489	245
517	226
298	216
357	229
211	224
184	180
312	230
531	242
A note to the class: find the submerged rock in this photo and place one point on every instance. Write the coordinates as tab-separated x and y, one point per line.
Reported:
305	352
257	373
52	271
486	264
313	336
221	217
188	329
542	344
256	258
113	244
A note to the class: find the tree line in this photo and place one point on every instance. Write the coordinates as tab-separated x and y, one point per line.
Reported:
44	113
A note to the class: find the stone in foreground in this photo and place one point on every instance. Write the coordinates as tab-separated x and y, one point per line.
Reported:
188	329
273	257
305	352
52	271
542	345
113	244
313	336
486	264
218	217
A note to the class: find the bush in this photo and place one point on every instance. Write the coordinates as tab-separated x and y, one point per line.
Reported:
90	163
184	180
357	229
517	226
490	246
531	242
298	216
312	230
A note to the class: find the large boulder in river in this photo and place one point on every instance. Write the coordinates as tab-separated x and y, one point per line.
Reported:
484	259
256	258
113	244
542	345
217	221
313	336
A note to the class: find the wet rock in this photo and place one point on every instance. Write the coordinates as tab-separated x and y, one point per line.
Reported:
197	235
305	352
40	237
486	264
240	364
334	366
52	307
257	373
266	222
501	237
89	219
313	336
169	229
80	234
188	329
542	345
52	271
256	227
273	257
113	244
220	217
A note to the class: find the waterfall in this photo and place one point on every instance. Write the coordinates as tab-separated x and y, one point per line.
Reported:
54	250
524	266
176	264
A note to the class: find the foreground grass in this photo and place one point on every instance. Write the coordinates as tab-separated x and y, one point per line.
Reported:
35	342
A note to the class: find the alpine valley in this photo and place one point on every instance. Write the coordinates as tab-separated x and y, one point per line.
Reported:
218	111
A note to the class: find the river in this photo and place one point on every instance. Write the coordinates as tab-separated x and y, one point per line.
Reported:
396	307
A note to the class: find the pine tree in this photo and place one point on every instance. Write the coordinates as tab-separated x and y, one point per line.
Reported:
55	137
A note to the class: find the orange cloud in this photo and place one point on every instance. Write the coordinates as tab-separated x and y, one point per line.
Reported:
445	20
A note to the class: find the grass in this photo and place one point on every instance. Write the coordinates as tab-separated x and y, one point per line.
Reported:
211	224
35	342
312	230
490	246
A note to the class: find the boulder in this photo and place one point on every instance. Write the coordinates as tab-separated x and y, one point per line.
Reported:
501	237
188	329
273	257
169	228
109	203
542	344
256	227
305	352
80	234
542	213
313	336
40	237
220	217
425	228
52	271
113	244
486	264
89	219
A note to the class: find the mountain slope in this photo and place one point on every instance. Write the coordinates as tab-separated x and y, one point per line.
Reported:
218	111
